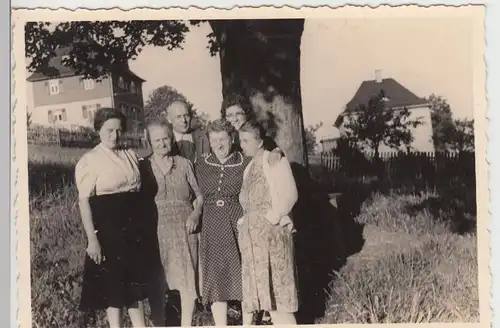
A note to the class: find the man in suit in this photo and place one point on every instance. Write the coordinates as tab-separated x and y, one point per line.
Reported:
191	142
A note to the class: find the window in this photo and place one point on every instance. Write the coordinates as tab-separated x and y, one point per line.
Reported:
121	83
88	84
124	109
54	87
132	87
58	115
88	111
134	113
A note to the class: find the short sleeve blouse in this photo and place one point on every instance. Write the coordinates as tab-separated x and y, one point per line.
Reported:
103	171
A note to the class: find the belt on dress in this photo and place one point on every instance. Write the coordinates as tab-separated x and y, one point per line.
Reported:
221	201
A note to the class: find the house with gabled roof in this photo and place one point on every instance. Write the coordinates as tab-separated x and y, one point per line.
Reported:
66	99
396	96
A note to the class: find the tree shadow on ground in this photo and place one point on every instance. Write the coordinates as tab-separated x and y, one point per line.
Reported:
326	236
457	212
47	178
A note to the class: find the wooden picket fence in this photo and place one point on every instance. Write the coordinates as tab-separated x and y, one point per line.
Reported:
76	138
396	169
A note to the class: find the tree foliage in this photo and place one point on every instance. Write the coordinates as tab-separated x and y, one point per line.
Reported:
449	134
442	122
373	124
310	135
97	47
461	138
162	97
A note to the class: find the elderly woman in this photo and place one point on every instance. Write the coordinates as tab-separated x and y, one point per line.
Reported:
108	181
171	181
267	196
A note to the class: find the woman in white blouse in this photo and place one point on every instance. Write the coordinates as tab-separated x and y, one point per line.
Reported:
266	231
108	182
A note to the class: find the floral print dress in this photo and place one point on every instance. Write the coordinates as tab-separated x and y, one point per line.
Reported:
267	250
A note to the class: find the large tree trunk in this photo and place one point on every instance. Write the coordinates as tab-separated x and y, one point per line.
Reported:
261	59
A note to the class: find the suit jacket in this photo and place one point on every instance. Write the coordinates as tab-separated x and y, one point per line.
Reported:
198	148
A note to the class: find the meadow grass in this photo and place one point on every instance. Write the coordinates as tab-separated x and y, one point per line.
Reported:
411	269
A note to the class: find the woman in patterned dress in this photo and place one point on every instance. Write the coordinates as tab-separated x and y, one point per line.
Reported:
171	181
267	196
108	181
220	176
238	110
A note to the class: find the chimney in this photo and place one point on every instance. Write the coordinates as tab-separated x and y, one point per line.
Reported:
378	76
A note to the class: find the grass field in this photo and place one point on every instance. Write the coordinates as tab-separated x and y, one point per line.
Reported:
411	268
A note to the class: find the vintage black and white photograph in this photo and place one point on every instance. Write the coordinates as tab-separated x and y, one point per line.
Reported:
201	170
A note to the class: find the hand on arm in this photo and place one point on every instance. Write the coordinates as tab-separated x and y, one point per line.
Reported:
275	156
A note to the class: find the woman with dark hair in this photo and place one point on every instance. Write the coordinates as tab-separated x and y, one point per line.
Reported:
267	196
108	182
237	110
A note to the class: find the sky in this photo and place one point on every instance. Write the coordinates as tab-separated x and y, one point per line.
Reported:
425	54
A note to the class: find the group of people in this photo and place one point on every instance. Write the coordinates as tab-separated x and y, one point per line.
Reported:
206	214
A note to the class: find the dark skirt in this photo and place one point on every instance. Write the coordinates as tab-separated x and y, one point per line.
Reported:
121	231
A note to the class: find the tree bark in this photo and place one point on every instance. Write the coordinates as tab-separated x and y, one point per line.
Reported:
261	60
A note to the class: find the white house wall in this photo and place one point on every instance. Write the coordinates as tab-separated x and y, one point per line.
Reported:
422	134
74	112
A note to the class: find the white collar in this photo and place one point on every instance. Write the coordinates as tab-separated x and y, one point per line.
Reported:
179	136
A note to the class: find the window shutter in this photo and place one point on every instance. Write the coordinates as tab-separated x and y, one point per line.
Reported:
85	112
51	117
64	116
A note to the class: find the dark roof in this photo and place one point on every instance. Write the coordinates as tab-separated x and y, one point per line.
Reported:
398	95
64	71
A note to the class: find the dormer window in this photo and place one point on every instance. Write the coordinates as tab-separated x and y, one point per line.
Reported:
88	84
54	87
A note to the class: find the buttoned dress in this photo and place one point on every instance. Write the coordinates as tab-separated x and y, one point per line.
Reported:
110	180
220	257
176	189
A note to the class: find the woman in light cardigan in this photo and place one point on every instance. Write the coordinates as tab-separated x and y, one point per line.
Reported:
266	231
